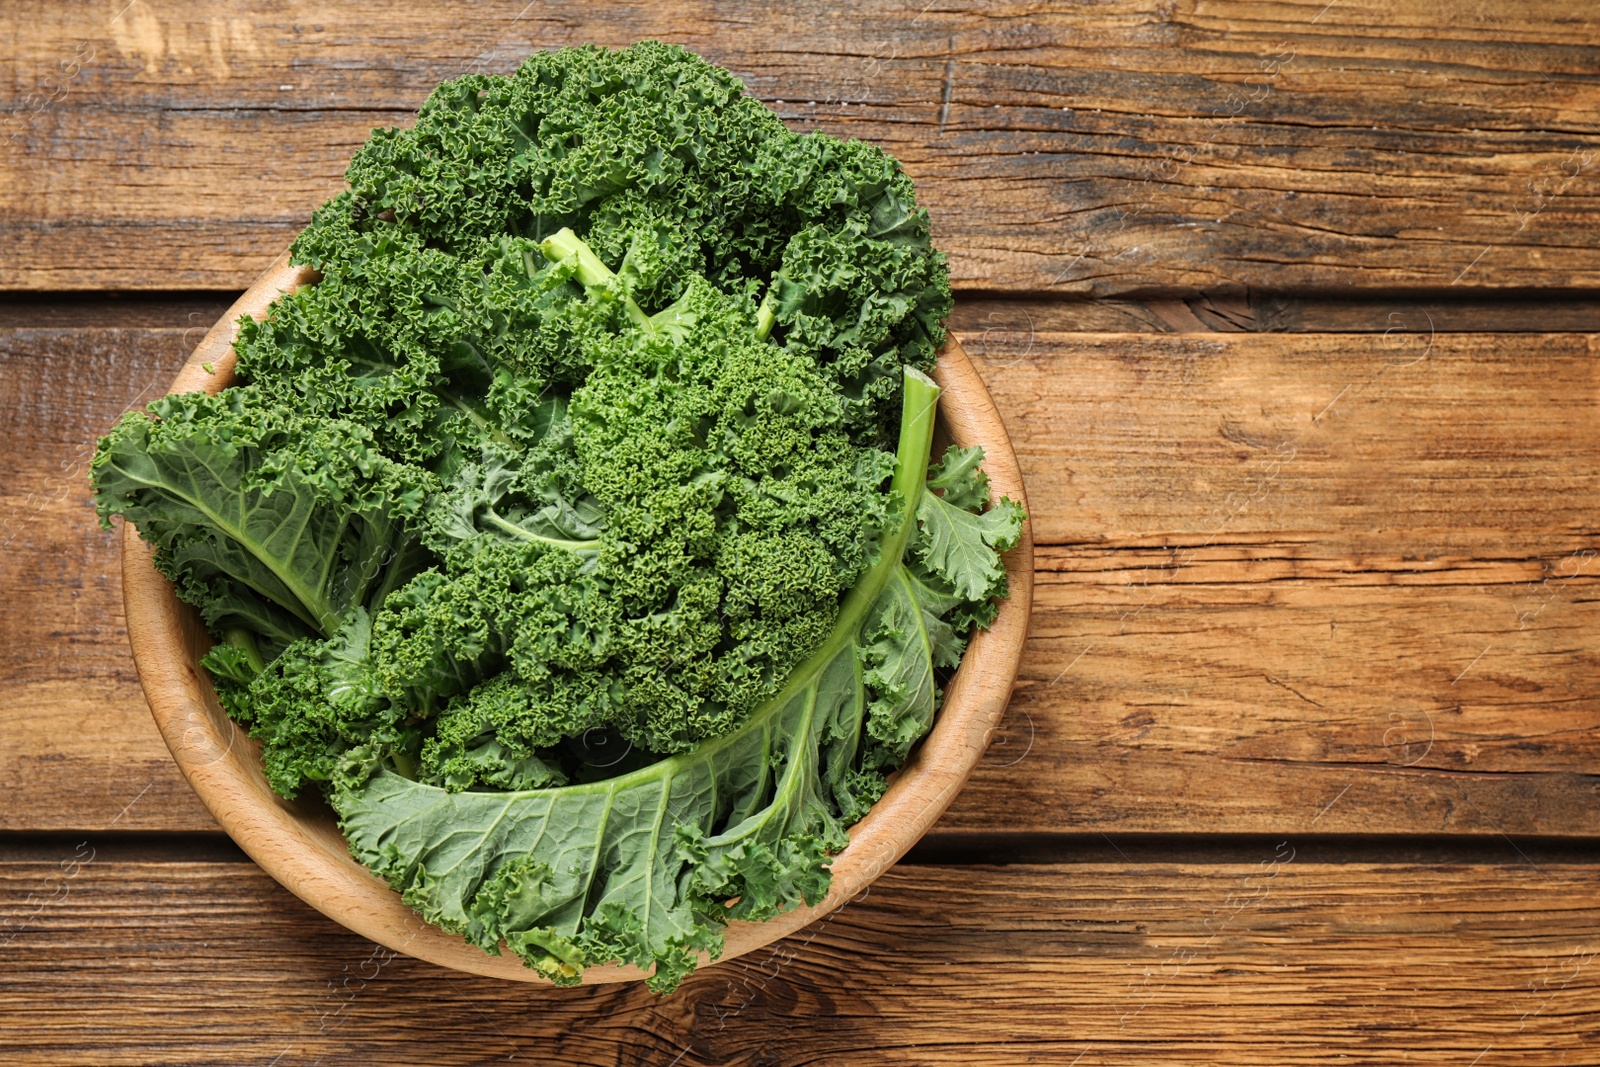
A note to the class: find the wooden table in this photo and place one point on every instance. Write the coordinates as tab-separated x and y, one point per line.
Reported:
1291	309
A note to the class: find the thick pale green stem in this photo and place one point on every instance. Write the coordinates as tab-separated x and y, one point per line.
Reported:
919	406
767	313
404	765
245	641
591	272
495	519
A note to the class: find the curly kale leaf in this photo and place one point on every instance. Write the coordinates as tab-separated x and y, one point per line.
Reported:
659	569
862	308
640	867
648	148
312	704
515	496
635	868
660	162
266	519
958	545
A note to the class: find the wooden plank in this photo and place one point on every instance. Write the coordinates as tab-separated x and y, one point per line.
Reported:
1003	325
1332	583
1276	959
160	310
81	747
1098	149
1326	583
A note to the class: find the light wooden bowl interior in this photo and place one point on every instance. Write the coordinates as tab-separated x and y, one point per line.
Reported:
299	843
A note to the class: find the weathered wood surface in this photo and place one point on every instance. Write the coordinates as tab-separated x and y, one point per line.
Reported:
1001	326
1273	959
1311	583
1097	148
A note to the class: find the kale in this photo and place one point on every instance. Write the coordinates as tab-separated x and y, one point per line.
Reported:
575	533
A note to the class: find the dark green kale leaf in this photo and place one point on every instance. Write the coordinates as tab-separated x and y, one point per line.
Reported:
266	519
961	546
640	867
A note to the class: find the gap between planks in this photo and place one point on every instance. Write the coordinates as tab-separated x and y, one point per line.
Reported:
957	849
1002	320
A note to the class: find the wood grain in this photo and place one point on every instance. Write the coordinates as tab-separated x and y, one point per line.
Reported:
1278	959
1223	641
1333	583
80	749
1001	326
1356	573
1101	149
998	327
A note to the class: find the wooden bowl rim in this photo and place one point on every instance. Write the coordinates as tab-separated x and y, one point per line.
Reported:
299	843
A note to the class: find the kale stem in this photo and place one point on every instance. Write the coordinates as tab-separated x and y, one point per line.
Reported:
473	413
767	313
245	641
592	274
495	519
404	765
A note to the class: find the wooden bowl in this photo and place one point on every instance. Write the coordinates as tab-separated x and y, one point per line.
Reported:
299	843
